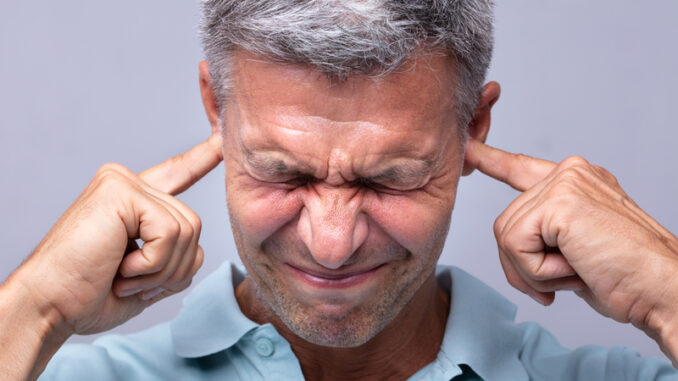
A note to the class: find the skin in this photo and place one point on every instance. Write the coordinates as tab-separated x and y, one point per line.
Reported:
91	282
572	227
310	182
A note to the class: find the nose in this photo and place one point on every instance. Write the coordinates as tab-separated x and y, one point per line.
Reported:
332	225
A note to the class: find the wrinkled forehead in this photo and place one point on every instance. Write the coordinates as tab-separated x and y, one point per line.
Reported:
364	122
422	90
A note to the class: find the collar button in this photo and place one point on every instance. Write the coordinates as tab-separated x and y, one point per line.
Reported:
264	347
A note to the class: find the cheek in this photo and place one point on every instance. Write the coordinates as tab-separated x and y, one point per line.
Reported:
261	211
415	222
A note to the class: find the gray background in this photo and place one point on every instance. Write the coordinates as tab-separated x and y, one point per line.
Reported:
83	83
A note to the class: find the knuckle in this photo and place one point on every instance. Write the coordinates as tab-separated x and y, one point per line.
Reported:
570	174
601	169
186	233
195	221
575	161
510	272
498	226
511	243
514	280
172	228
607	174
112	177
174	282
112	167
178	287
110	173
180	277
198	262
627	202
564	194
155	264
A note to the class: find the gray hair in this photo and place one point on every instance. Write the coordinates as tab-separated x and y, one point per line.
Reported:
342	37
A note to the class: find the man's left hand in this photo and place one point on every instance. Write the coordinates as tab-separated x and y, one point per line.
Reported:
574	228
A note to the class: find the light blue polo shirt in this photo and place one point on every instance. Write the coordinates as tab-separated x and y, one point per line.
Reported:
211	339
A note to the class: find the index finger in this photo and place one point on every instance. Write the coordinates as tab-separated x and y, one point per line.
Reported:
177	174
517	170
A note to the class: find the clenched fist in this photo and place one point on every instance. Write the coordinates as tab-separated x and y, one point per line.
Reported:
574	228
88	274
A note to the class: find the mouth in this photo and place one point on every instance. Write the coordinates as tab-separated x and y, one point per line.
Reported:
336	280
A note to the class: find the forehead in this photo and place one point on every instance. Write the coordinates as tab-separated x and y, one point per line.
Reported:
278	106
423	84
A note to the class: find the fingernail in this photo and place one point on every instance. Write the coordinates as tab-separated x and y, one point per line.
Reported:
151	293
131	291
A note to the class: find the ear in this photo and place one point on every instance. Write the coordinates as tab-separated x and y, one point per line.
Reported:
209	99
479	126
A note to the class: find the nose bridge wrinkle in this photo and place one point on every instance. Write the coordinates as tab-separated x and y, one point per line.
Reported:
332	224
339	168
335	207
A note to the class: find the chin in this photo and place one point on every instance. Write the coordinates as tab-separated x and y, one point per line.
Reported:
335	325
328	331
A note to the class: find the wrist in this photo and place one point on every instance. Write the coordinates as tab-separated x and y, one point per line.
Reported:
23	292
661	323
31	330
665	333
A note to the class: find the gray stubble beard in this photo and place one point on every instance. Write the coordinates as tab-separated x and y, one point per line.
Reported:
353	329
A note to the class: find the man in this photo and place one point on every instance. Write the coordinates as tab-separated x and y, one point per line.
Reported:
344	128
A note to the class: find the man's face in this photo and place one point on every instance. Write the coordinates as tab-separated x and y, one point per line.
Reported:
340	193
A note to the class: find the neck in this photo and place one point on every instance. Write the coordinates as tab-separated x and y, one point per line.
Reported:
397	352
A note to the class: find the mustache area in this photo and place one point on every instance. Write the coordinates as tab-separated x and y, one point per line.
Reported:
288	248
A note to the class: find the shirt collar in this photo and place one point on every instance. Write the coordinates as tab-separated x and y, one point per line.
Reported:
210	319
480	331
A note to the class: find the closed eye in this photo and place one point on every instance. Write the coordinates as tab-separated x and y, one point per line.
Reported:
381	188
300	180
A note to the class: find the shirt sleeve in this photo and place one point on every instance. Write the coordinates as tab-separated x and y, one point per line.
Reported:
81	362
545	359
143	356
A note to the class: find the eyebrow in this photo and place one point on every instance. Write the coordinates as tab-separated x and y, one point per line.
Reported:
269	166
414	170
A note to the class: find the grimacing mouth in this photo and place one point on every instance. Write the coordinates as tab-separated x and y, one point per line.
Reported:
336	276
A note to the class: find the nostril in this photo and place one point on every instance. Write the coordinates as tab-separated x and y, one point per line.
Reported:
331	249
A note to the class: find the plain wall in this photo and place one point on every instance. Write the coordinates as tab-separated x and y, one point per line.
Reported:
83	83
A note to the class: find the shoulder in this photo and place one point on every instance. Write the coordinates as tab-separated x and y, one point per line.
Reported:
542	355
482	333
155	353
144	355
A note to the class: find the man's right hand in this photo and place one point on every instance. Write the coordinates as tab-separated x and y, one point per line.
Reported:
88	275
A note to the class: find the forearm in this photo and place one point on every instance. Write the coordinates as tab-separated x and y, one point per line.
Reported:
29	333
